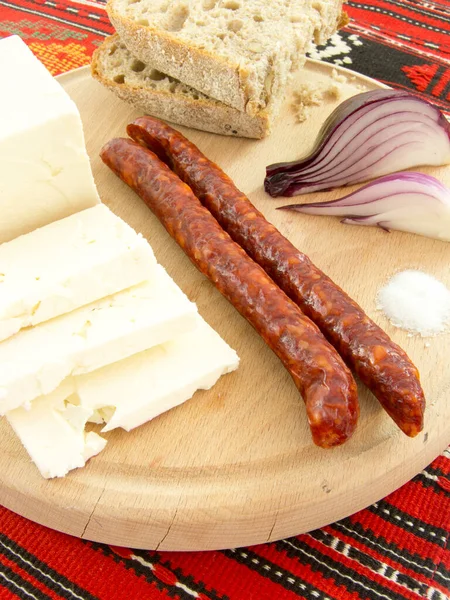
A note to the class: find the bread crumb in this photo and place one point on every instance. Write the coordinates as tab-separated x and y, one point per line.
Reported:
338	77
315	94
334	92
342	79
301	112
310	94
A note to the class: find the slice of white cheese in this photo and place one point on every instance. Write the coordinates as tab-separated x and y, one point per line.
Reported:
36	360
126	394
142	387
67	264
53	432
45	173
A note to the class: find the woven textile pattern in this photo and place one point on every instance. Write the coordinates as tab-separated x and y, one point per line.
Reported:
396	549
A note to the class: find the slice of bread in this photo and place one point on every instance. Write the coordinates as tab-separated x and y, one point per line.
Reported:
159	95
237	51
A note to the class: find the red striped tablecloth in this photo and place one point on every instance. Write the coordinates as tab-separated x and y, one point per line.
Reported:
397	548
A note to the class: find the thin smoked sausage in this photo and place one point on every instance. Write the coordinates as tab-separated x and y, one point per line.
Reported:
380	363
324	381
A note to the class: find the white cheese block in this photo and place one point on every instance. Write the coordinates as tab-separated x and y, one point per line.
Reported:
126	394
143	386
67	264
45	173
36	360
53	432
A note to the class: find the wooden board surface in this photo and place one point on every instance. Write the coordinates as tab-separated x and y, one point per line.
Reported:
235	465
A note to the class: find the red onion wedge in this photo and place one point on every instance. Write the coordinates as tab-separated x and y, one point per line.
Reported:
367	136
407	201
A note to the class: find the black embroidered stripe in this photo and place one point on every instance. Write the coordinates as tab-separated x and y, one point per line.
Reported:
142	570
374	564
395	516
429	482
441	72
55	18
76	8
419	9
442	576
354	582
389	13
393	46
413	562
436	471
269	570
41	571
385	62
18	586
438	5
187	580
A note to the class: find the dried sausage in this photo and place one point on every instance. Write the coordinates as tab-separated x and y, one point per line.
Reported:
319	373
380	363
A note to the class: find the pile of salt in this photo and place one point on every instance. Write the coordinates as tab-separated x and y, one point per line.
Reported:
417	302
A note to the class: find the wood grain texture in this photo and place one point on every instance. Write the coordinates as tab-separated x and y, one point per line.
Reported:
235	465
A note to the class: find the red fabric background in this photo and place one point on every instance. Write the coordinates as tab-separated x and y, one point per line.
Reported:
396	549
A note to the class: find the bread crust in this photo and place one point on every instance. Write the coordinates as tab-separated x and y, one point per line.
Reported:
344	20
203	113
213	75
243	84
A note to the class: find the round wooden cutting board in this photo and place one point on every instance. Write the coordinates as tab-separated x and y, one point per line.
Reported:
235	465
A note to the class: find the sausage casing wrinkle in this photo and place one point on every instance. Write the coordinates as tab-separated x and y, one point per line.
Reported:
323	379
380	363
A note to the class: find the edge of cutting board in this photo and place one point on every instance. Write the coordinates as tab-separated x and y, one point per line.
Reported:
235	466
